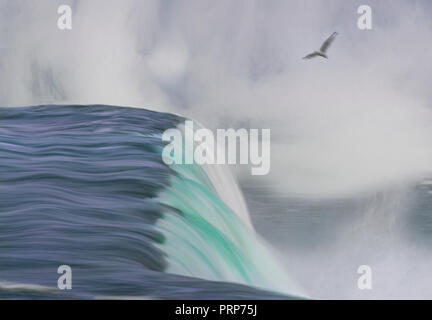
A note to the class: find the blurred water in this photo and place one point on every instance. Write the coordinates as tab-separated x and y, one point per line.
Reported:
85	186
324	241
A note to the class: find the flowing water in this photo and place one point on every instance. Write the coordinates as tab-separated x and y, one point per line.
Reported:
86	186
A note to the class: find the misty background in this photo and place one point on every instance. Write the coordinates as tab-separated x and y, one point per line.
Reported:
350	135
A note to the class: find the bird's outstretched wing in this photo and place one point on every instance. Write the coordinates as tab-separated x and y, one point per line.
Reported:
310	55
328	42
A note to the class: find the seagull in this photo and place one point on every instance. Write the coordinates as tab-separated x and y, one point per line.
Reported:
322	51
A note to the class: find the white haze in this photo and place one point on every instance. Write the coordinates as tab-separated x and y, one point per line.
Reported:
355	123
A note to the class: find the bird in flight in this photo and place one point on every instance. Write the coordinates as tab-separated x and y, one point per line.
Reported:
322	51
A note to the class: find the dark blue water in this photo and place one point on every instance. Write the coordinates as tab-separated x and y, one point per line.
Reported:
79	186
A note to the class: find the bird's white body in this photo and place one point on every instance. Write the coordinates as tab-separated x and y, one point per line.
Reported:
322	51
